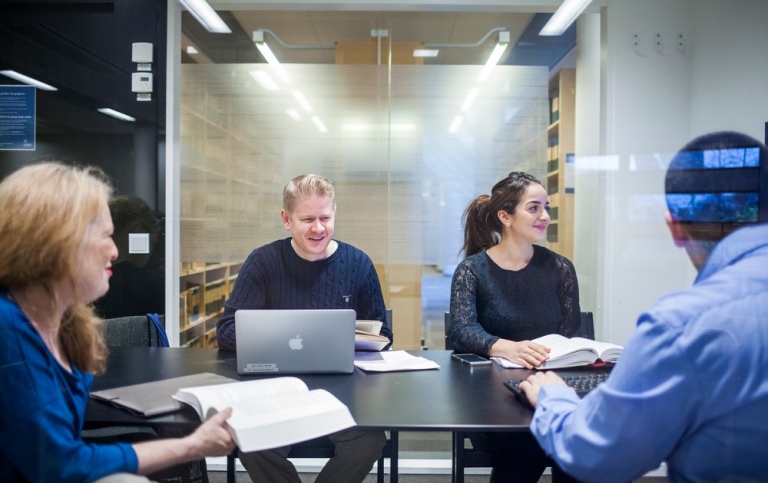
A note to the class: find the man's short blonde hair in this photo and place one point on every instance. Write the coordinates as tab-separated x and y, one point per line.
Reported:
306	186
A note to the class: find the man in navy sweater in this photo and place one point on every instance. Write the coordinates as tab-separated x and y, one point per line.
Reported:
309	270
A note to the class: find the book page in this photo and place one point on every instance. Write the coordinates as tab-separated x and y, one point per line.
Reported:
285	419
565	352
562	346
605	350
368	326
281	407
220	396
369	342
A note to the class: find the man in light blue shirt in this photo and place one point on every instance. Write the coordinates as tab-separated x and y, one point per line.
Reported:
691	387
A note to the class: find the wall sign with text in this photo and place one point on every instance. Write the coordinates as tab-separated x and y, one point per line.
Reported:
17	118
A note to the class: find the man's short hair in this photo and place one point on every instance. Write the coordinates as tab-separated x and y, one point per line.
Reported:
306	186
719	178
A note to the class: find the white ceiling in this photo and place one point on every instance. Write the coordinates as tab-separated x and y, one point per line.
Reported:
318	28
323	29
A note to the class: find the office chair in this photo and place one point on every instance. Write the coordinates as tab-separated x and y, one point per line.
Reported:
482	456
587	328
323	447
133	331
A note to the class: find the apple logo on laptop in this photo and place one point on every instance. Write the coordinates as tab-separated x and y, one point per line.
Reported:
295	343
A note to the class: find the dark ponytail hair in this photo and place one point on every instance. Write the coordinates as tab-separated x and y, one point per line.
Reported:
482	228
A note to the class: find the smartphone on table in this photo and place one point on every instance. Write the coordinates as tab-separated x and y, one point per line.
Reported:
472	359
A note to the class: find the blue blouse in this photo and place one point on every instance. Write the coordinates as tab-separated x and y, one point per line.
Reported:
42	407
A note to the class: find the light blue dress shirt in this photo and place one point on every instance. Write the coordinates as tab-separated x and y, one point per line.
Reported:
691	387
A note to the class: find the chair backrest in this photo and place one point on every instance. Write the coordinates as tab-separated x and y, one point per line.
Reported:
133	331
447	322
389	318
587	329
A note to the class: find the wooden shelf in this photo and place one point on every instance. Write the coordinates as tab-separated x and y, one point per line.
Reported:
560	141
204	289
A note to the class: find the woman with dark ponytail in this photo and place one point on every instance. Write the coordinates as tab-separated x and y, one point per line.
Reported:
508	291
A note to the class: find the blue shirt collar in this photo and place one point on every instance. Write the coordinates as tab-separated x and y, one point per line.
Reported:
733	248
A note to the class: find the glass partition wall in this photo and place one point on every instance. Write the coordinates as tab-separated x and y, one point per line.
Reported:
406	142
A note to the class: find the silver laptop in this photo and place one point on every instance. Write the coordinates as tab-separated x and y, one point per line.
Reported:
295	341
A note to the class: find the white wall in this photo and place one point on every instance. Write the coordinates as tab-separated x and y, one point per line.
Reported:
652	101
729	69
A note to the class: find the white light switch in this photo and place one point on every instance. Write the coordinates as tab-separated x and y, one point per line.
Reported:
138	243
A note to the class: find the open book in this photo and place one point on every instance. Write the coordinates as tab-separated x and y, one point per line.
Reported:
565	352
269	413
367	336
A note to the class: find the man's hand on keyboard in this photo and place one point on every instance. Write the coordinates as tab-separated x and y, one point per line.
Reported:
531	386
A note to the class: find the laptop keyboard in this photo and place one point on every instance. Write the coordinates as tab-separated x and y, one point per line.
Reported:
581	384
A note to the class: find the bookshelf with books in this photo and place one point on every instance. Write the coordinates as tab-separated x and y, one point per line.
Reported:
560	141
204	287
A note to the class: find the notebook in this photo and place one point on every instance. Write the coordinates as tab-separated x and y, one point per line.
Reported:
295	341
153	398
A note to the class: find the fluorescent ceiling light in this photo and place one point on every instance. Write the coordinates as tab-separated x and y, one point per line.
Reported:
455	124
302	101
207	17
264	80
425	52
116	114
319	124
471	96
258	39
27	80
564	17
501	46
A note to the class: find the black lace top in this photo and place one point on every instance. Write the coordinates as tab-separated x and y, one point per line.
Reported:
488	302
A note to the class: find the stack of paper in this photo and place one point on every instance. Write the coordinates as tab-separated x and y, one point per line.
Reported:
390	361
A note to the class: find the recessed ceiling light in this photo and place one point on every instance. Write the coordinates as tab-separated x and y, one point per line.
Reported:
27	80
116	114
206	15
426	52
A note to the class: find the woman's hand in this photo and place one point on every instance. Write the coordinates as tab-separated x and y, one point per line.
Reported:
526	353
212	438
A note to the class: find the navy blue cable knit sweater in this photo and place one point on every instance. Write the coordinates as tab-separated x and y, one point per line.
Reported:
275	277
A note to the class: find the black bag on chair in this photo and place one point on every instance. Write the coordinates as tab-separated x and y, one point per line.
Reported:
192	472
